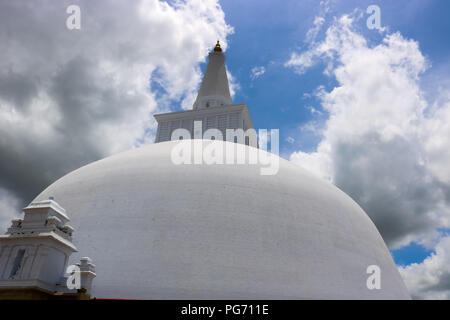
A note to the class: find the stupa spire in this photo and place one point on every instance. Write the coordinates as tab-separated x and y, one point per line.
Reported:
217	48
214	90
212	108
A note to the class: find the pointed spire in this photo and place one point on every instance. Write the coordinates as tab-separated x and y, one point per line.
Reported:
217	48
214	90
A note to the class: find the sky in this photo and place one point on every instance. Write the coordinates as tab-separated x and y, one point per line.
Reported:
366	109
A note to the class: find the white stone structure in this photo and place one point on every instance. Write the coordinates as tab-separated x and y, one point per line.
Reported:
214	90
162	231
158	230
35	250
213	106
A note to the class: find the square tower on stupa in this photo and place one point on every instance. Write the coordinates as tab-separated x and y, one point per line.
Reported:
213	106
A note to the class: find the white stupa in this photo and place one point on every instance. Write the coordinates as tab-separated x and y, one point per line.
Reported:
157	230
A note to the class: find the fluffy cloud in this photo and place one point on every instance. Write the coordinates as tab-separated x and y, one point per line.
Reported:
257	72
290	140
68	97
431	278
233	84
382	143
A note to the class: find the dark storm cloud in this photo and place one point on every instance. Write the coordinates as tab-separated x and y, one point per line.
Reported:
68	97
18	89
389	181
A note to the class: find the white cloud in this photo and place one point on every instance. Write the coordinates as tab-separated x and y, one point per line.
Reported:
319	20
377	144
257	72
313	32
233	83
436	133
301	62
384	144
70	97
290	140
431	278
315	162
314	110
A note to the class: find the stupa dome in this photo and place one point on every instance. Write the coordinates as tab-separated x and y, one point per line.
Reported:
157	230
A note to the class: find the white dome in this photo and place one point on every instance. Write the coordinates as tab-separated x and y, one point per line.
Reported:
156	230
